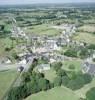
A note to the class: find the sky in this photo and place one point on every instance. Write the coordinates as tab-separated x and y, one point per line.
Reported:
2	2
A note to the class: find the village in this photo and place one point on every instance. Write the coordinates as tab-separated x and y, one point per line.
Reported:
47	50
46	47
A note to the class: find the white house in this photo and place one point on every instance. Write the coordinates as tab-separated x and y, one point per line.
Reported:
43	67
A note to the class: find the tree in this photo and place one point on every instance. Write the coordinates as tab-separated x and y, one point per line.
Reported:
26	77
71	53
84	53
2	27
57	81
91	46
42	84
57	66
72	67
61	72
65	80
90	95
17	93
87	78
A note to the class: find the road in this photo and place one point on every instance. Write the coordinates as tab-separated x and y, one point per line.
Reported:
8	66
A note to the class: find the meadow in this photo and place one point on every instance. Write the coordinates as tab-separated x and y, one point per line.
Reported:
58	93
6	79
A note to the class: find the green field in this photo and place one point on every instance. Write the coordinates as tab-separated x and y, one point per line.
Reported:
85	37
43	29
87	28
50	74
58	93
6	79
4	42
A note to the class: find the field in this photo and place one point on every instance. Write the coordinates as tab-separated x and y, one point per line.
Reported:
43	29
58	93
88	28
6	79
50	74
4	42
85	37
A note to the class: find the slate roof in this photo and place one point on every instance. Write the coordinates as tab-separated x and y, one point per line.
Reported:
90	68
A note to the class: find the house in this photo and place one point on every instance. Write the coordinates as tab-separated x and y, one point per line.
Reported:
20	69
51	44
61	42
6	60
43	67
23	61
88	68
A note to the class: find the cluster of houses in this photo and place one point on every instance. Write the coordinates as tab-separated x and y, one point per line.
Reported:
88	66
46	47
42	46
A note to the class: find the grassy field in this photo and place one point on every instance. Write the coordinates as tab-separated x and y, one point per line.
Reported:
58	93
6	79
85	37
88	28
43	29
76	63
4	42
50	74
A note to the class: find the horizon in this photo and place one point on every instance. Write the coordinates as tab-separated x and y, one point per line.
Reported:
27	2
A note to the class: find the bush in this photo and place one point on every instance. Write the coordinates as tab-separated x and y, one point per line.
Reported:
57	81
93	59
61	72
72	67
76	83
65	80
70	53
17	93
87	78
57	66
91	46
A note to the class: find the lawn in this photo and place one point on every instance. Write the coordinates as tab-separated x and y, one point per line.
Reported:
85	37
6	79
76	63
43	29
58	93
50	74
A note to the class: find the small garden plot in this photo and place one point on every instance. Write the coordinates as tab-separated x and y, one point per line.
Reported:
72	65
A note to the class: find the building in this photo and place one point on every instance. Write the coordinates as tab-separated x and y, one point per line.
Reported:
88	68
43	67
20	69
